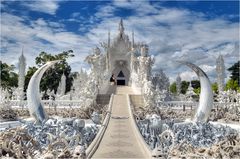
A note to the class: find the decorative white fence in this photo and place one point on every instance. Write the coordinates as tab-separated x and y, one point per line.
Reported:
80	103
191	105
49	103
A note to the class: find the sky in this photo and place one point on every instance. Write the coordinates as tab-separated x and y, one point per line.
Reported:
194	31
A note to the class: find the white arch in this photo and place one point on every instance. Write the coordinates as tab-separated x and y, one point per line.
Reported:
35	106
206	95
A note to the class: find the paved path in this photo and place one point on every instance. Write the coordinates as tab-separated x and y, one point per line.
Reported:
119	140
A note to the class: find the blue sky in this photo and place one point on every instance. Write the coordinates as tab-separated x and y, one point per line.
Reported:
195	31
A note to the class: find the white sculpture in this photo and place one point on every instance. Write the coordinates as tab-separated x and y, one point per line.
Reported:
206	95
146	64
4	96
190	93
178	84
149	94
94	60
161	80
33	95
62	86
220	68
160	95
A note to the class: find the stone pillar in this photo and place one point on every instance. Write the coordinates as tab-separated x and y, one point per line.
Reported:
21	78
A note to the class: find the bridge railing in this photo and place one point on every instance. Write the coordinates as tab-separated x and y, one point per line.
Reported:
95	143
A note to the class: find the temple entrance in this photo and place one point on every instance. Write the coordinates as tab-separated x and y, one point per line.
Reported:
121	78
121	72
121	82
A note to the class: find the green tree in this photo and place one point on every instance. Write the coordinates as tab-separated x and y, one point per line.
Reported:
232	84
215	87
197	90
195	84
8	77
234	69
52	77
184	87
173	88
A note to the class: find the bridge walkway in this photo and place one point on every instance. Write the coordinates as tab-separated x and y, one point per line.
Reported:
120	139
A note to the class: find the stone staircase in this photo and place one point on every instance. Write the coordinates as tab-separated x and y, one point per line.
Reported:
137	100
103	99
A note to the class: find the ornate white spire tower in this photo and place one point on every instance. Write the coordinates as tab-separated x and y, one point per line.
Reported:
178	84
21	73
220	68
121	29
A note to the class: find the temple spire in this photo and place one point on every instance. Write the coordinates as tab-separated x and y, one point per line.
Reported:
121	28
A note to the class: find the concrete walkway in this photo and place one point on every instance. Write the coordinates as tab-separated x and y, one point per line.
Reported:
119	140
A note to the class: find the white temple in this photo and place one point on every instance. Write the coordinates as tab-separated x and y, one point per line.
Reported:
128	61
220	68
21	78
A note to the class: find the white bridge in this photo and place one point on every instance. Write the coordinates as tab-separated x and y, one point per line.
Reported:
119	136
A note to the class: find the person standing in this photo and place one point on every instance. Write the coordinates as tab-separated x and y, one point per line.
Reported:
113	80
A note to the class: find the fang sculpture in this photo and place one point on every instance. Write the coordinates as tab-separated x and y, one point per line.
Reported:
206	95
33	96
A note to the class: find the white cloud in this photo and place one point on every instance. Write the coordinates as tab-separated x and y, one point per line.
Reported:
172	34
188	76
207	68
75	14
105	12
37	37
45	6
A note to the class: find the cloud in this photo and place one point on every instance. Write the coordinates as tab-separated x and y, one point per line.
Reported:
171	34
39	36
105	12
188	76
49	7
